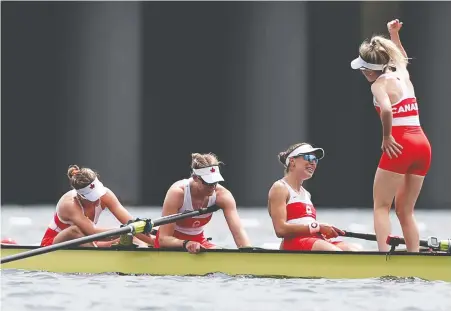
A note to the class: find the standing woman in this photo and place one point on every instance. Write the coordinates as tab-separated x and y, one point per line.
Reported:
406	156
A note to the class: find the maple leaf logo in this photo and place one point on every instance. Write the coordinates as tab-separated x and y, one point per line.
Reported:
212	170
92	186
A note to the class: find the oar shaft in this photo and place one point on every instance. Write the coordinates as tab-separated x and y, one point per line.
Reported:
83	240
372	237
172	218
137	226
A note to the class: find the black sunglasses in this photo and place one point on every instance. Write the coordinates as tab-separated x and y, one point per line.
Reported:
205	183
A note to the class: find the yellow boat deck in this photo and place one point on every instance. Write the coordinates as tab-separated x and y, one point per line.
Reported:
256	262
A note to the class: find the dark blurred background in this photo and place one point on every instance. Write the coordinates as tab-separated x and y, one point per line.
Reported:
131	89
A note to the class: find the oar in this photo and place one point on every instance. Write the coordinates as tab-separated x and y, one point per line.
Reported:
432	242
137	226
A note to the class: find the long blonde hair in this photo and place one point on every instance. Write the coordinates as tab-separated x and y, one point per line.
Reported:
382	51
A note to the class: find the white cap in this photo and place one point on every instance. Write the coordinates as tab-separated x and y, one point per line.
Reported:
209	174
359	63
93	191
305	149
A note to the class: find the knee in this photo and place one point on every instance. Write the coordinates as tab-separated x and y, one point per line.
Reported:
402	214
75	232
382	203
379	205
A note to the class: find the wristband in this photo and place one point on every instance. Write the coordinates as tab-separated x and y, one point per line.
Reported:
184	244
314	227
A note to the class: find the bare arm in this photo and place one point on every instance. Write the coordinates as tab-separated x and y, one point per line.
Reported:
120	212
171	205
394	36
72	213
277	209
393	29
226	201
382	98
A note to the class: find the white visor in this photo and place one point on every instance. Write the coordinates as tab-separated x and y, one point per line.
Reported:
305	149
93	191
359	63
209	174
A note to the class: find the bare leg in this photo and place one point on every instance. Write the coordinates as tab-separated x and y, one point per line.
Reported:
348	247
385	187
404	205
71	233
321	245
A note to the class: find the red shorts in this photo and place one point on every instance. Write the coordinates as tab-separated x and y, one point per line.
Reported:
48	238
416	153
303	243
200	238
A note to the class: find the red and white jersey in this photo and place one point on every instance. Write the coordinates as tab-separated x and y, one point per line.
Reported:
300	209
405	110
194	225
58	225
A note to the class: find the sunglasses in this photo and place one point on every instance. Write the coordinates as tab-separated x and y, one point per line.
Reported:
308	157
207	184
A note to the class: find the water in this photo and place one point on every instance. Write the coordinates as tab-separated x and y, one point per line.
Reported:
21	290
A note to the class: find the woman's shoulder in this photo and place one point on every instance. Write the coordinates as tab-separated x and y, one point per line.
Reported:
278	187
222	190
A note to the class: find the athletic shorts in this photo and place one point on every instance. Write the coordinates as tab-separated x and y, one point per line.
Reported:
416	153
48	238
303	243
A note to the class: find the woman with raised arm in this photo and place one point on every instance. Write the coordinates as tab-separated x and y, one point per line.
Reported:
291	209
201	190
406	152
78	211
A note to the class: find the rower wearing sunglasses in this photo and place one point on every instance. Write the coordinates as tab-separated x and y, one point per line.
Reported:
290	207
201	190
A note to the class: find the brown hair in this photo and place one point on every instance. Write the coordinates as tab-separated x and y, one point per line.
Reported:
199	160
382	51
284	154
80	178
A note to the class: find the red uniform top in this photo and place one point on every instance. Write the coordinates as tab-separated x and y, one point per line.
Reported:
300	209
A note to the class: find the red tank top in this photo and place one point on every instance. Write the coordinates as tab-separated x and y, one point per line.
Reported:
300	209
405	111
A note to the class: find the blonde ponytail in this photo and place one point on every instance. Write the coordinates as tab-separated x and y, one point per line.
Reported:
387	46
382	51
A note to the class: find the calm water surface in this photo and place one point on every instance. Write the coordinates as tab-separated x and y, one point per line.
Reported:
21	290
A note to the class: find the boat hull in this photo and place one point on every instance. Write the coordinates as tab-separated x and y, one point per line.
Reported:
262	263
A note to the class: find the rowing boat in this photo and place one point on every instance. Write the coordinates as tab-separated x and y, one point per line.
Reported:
252	262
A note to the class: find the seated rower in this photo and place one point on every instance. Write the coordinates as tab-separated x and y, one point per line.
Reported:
292	212
201	190
79	209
